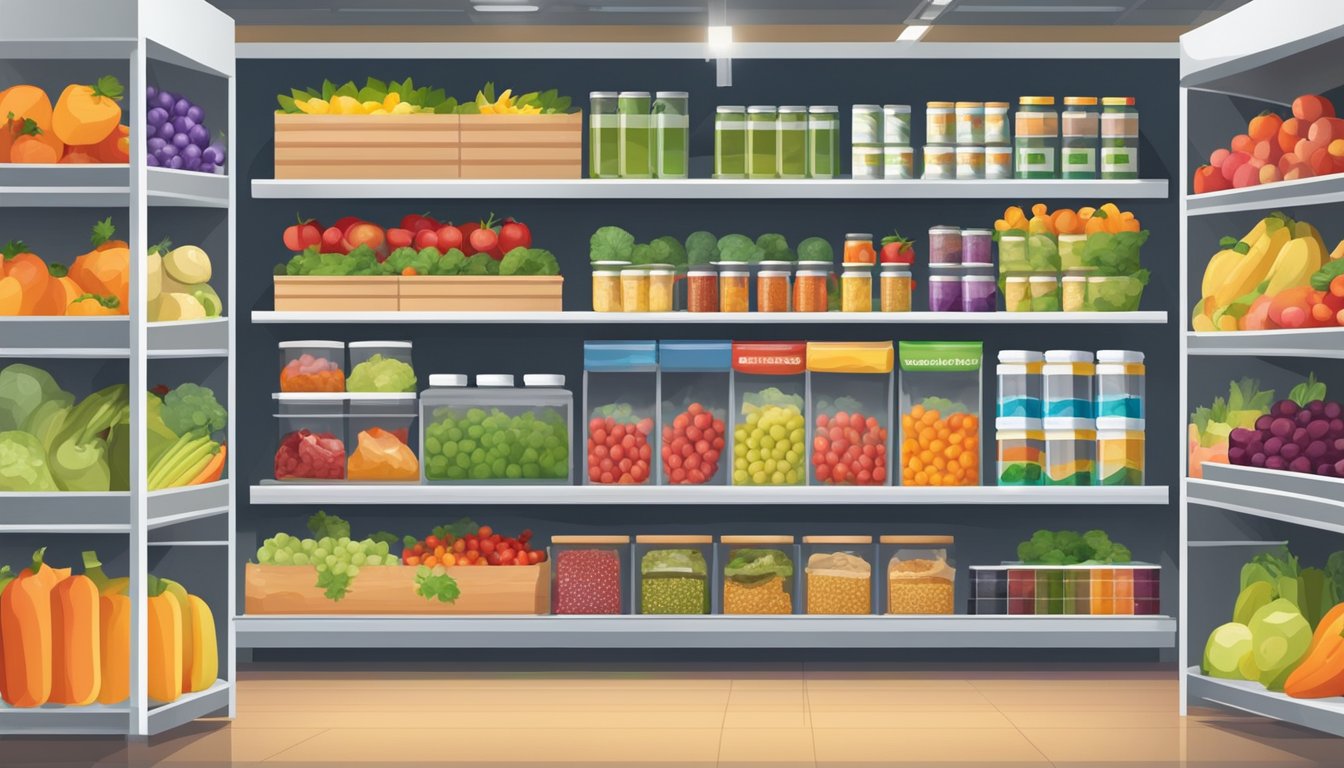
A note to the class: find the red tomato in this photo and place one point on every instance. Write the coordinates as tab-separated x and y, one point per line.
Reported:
305	233
426	238
514	234
432	541
466	229
484	240
449	237
333	240
365	233
346	222
418	221
485	532
400	238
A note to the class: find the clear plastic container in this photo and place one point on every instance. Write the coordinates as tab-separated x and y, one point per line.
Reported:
809	290
979	293
970	122
940	125
1078	157
945	293
856	288
672	129
380	366
898	162
823	142
759	575
920	575
772	290
977	246
312	366
1021	384
838	576
1068	377
702	289
1076	590
730	143
590	575
945	245
1120	451
998	162
695	379
940	393
1070	451
312	437
1036	146
380	428
635	123
792	143
762	143
1114	293
1119	138
867	161
1021	450
620	402
896	124
989	591
940	161
866	127
1073	290
1120	384
1013	255
769	402
1071	247
495	432
1016	293
604	136
849	418
897	288
606	290
674	574
1043	291
735	290
996	124
970	162
634	289
662	289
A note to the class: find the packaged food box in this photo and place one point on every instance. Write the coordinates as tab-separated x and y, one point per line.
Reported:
839	574
759	576
695	378
311	443
940	412
769	402
1016	589
590	575
920	574
620	400
380	366
674	574
850	413
312	366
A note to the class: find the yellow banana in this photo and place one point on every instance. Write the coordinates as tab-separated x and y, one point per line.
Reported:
1296	263
1250	271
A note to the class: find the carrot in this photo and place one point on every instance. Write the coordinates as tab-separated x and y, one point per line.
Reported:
61	290
105	270
25	625
93	305
32	144
214	470
1322	673
27	101
86	114
29	270
76	673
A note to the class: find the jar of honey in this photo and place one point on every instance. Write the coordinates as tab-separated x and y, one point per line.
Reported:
734	290
702	289
772	291
661	279
859	249
606	290
809	290
856	289
634	289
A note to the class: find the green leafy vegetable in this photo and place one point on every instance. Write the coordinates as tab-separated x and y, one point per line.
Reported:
385	537
323	525
1332	269
751	565
464	526
191	409
449	264
775	247
1113	254
78	457
702	248
739	249
23	389
436	584
334	586
382	374
611	244
1307	391
480	264
23	464
1069	548
675	561
1117	293
668	250
529	261
816	249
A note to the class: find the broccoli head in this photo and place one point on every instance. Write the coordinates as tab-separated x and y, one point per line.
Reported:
193	409
611	244
815	249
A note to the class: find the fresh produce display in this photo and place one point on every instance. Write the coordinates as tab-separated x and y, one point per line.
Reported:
403	98
97	283
692	445
83	126
673	581
758	581
307	455
1301	433
48	443
618	446
1017	589
178	136
466	544
477	445
183	425
940	412
333	554
179	284
848	448
1309	143
770	444
1211	426
1071	548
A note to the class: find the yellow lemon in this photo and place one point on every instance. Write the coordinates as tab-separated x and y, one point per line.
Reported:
317	106
391	100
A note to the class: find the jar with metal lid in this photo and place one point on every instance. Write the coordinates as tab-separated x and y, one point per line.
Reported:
1119	138
1120	384
970	122
730	143
940	161
1020	450
1037	143
1070	451
809	290
635	123
996	124
672	129
839	574
867	124
1078	156
702	289
1021	385
944	244
823	142
898	162
662	282
859	249
759	577
998	162
940	123
970	162
896	124
1069	376
762	143
606	290
866	161
734	290
634	289
772	291
920	575
604	136
792	124
856	288
897	288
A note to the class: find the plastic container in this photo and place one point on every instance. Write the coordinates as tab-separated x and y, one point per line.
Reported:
898	162
312	366
772	291
735	290
809	290
636	129
979	293
311	443
730	143
702	289
970	162
634	289
662	289
940	123
1075	590
920	576
1043	290
1070	451
859	249
838	576
1020	384
792	126
759	575
997	133
998	162
620	402
590	575
695	379
896	124
1073	290
940	161
970	117
606	290
1068	378
945	245
866	127
849	416
672	129
867	161
1036	147
762	143
1021	450
940	389
380	366
379	430
1078	157
769	402
823	142
1114	293
1071	248
674	574
977	246
1120	451
856	288
1120	384
945	293
1013	255
604	136
1119	138
1016	293
897	288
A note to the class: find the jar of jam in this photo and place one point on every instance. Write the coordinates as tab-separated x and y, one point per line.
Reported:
734	289
809	290
772	291
856	289
702	289
661	281
635	289
606	290
897	288
859	249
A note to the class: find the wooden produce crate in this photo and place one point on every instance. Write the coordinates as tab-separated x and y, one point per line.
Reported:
336	294
522	146
516	293
289	589
417	146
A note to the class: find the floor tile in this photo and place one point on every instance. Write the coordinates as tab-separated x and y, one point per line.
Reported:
776	746
223	745
1194	743
852	699
838	746
987	717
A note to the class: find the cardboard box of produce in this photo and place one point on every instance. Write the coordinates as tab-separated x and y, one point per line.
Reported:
515	293
522	146
291	589
419	146
324	294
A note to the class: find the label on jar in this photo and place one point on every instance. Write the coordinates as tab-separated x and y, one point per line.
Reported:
1120	159
1035	160
1079	160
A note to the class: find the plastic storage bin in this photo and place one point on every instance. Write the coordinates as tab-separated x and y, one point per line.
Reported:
920	575
380	366
1020	384
674	574
312	366
1021	450
940	161
945	289
849	417
940	412
589	575
312	440
898	162
1068	377
759	574
379	428
1070	452
838	574
1120	451
695	380
977	246
1120	378
620	401
979	293
496	433
1015	589
769	400
634	289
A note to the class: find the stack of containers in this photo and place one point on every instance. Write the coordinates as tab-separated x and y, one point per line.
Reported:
620	400
849	416
631	136
1018	418
1070	418
998	141
1015	589
865	140
898	157
695	380
766	142
940	139
1120	417
1078	154
769	386
1036	138
961	270
856	280
970	119
1119	138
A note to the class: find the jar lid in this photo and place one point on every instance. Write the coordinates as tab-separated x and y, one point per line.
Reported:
823	110
772	273
939	105
943	267
856	267
949	148
727	111
1011	237
970	105
916	539
1119	356
762	110
793	110
812	273
1037	101
1080	101
944	229
662	272
979	278
639	271
673	539
543	380
837	539
976	268
1043	279
1117	101
312	345
612	263
1017	424
447	380
859	236
867	108
671	95
378	344
1067	355
734	273
898	149
1119	424
701	270
603	95
977	232
1015	278
1021	356
945	279
775	264
494	380
970	150
996	105
755	539
590	539
633	94
892	269
896	109
1064	424
605	273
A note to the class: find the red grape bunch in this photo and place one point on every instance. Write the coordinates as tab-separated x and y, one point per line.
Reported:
1293	437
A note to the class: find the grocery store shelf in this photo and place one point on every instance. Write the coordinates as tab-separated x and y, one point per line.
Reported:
704	189
1317	190
1292	497
187	189
190	706
65	512
1308	342
190	338
25	185
194	502
1230	544
1319	714
711	318
272	492
65	337
706	632
94	720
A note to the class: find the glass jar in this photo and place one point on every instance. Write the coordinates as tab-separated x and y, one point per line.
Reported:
809	290
823	142
589	575
859	249
759	577
634	289
702	289
772	291
1073	289
898	162
921	575
606	290
662	283
979	293
673	574
1120	444
940	161
1016	294
1078	156
940	123
867	124
1020	384
970	122
604	136
866	160
672	130
998	162
734	290
896	124
1068	379
944	292
856	288
945	245
312	366
730	143
1120	384
762	143
970	162
792	125
897	288
1044	293
1037	143
839	574
1070	451
996	124
1021	450
635	121
977	246
1119	138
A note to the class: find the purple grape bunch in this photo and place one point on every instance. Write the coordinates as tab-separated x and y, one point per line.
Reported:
177	134
1305	438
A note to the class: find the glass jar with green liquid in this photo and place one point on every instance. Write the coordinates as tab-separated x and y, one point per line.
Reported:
792	124
635	123
730	143
672	134
823	140
604	136
762	143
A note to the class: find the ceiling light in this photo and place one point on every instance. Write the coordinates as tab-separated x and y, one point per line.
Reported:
720	39
940	2
913	32
506	8
647	9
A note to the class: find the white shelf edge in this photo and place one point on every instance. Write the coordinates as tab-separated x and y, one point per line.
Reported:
260	317
1317	190
1325	715
1285	496
1308	342
60	512
189	707
93	720
190	189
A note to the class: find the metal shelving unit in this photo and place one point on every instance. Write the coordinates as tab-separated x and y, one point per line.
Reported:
1308	342
263	317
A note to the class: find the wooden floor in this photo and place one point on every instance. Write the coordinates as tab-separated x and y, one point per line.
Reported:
704	715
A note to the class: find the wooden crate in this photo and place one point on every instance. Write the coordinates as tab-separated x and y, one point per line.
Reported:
335	294
481	294
522	146
366	146
289	589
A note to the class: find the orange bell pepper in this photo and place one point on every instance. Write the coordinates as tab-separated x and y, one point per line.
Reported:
86	114
105	270
93	305
61	290
31	272
25	626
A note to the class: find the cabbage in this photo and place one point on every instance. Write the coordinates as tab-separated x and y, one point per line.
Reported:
381	374
1280	638
1225	649
23	464
22	389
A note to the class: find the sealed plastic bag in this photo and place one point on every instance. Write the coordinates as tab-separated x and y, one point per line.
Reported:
381	455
